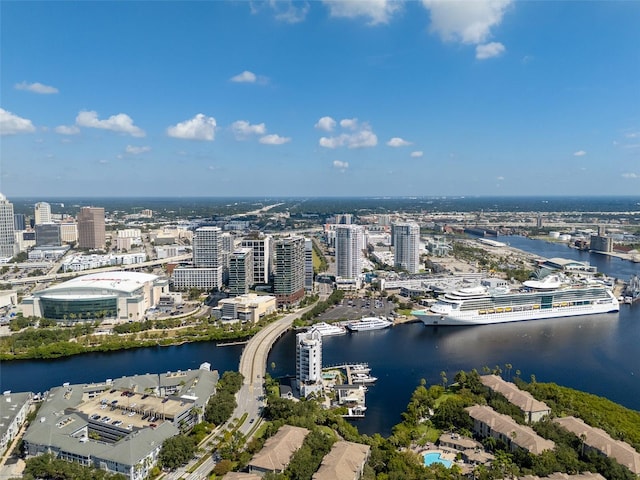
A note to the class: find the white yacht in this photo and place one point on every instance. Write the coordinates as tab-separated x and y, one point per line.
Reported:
327	329
554	296
369	323
362	378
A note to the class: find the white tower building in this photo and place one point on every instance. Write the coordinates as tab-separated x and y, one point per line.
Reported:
309	362
207	247
42	213
349	246
406	241
7	234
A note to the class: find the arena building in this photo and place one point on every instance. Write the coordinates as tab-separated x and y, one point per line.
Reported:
121	295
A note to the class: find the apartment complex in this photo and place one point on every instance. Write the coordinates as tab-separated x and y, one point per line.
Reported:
278	450
308	264
533	410
309	362
289	272
406	242
91	230
240	271
349	246
261	247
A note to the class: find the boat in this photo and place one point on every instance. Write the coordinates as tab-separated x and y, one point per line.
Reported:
553	297
328	329
362	378
359	368
368	323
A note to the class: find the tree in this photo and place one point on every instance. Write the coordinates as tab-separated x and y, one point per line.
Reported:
177	451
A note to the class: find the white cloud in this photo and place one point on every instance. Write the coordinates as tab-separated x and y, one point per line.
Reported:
489	50
286	11
116	123
340	165
243	129
67	129
398	142
500	178
325	123
249	77
11	124
417	154
631	175
467	22
362	136
199	127
579	153
376	11
36	88
633	135
134	150
274	139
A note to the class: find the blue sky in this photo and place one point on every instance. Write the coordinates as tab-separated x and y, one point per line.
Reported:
320	98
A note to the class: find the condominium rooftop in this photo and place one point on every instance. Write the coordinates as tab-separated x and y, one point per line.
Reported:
521	399
241	476
345	461
278	450
565	476
520	435
600	440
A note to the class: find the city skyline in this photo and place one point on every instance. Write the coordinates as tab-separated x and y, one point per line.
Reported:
491	97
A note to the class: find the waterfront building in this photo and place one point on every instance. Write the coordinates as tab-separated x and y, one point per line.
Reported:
48	234
533	410
75	424
207	247
240	271
245	308
121	295
277	451
42	213
345	461
7	235
349	246
91	230
406	242
69	232
489	423
289	272
600	243
600	441
14	408
261	245
19	222
308	264
309	362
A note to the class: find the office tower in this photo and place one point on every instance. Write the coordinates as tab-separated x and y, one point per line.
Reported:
69	232
19	222
91	231
48	234
309	362
289	272
260	244
407	246
42	213
344	218
240	271
7	235
207	247
308	264
349	246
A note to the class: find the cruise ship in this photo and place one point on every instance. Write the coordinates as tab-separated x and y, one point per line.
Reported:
554	296
327	329
368	323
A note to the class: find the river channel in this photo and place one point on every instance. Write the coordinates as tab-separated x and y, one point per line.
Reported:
598	353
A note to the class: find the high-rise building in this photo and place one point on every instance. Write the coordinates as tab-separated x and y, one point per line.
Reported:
260	244
406	243
308	264
48	234
289	272
7	236
349	246
69	232
19	222
240	271
344	218
309	362
207	247
42	212
91	231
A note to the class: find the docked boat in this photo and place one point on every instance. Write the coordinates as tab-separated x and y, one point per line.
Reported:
553	297
359	368
369	323
328	329
363	378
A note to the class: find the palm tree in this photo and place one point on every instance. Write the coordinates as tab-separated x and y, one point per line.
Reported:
508	366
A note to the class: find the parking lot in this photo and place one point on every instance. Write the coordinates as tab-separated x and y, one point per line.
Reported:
358	308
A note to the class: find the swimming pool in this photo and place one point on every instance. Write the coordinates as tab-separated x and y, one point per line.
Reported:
434	457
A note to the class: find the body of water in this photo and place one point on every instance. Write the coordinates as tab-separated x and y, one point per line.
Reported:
597	353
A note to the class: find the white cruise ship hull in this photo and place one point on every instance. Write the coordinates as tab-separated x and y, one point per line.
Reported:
473	317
